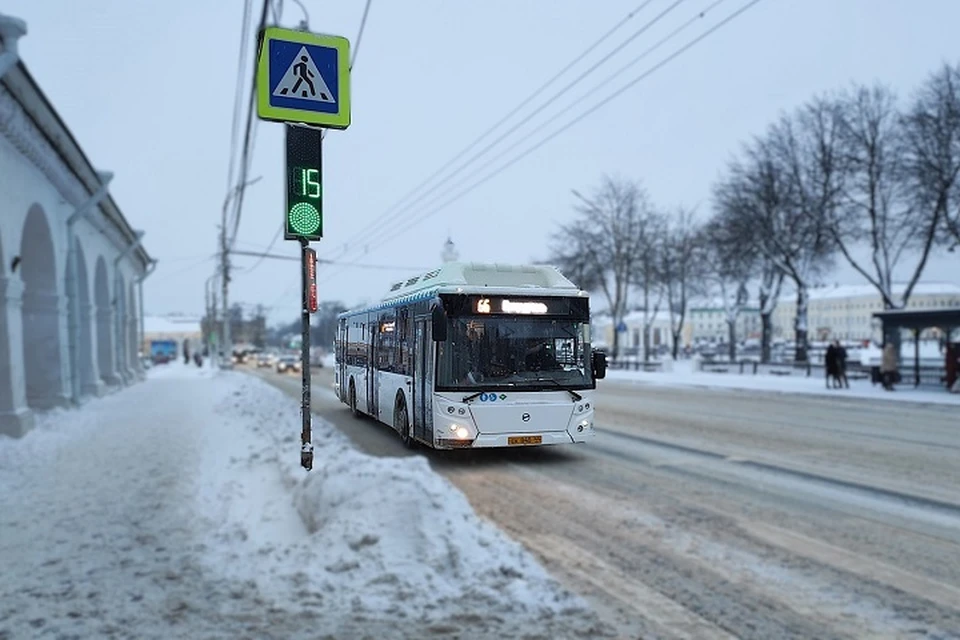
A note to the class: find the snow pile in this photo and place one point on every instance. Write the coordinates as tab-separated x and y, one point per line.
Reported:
684	374
176	508
384	539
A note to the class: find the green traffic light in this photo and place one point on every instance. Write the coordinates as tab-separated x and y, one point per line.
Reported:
304	218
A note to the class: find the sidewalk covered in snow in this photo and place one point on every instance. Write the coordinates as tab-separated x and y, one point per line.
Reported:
177	509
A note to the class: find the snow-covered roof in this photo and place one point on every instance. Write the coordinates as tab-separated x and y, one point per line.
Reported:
171	324
869	291
474	274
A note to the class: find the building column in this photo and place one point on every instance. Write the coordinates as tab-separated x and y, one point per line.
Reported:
16	418
104	317
49	310
90	382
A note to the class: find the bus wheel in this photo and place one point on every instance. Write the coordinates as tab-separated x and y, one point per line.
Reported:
402	424
353	400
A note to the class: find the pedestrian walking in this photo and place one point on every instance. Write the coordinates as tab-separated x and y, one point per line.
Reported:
831	377
841	359
888	366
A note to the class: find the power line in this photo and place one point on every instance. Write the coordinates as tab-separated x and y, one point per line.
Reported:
516	109
591	110
276	237
238	97
245	160
356	48
363	23
388	228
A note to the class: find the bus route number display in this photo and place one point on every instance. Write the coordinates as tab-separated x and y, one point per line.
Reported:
304	212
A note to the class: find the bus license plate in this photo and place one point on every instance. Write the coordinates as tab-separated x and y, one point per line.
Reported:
524	440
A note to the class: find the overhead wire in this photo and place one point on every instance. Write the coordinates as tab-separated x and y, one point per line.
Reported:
246	156
389	228
579	118
356	47
483	136
238	97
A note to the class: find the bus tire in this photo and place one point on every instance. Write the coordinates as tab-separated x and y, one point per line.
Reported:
401	423
353	400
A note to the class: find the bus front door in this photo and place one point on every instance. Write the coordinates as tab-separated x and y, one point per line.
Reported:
423	381
372	370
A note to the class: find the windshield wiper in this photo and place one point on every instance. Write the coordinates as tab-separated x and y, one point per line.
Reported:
576	396
472	396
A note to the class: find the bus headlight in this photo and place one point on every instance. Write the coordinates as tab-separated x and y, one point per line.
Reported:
584	425
460	431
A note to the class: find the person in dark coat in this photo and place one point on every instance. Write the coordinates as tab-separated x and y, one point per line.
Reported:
830	367
840	355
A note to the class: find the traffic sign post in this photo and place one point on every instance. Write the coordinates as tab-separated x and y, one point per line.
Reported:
303	79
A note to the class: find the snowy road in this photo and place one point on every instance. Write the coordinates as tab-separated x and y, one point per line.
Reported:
719	514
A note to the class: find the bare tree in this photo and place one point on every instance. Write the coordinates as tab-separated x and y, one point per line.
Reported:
679	270
728	259
603	245
932	159
648	277
770	198
877	204
771	283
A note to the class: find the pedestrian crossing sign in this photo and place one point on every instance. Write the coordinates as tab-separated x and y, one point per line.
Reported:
303	77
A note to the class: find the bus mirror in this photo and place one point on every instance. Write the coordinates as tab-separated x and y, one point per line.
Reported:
599	365
439	321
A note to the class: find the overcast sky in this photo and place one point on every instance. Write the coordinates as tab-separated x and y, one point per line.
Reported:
148	90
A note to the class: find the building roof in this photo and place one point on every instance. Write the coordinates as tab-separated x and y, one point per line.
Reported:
842	291
948	317
171	324
27	92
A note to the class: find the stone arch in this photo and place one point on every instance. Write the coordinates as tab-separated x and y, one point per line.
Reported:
42	310
104	322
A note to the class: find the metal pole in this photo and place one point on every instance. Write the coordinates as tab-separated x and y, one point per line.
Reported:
227	362
306	447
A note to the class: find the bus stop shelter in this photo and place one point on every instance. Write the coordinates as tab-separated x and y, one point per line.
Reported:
946	319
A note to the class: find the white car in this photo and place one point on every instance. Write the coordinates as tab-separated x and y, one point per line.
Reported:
288	363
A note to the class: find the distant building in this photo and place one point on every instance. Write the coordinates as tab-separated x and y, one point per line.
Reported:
171	327
70	264
845	312
706	321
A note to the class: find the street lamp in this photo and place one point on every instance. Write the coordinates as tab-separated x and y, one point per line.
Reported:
225	270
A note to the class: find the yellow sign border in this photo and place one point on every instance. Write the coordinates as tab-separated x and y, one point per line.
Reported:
338	120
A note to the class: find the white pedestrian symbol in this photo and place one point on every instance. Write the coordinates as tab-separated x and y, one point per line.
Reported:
303	81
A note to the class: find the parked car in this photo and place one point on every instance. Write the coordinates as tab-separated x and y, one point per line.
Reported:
288	363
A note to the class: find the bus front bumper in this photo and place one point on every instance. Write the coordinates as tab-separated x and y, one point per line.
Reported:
511	440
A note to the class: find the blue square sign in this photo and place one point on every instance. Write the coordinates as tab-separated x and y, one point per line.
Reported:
303	77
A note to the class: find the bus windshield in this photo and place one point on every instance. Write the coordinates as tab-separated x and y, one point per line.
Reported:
514	352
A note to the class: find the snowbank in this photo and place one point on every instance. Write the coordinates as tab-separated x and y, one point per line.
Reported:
176	508
384	537
683	374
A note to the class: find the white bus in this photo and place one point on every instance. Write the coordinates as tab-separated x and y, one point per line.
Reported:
473	355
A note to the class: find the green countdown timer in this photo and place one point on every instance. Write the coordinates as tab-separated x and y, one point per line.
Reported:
304	218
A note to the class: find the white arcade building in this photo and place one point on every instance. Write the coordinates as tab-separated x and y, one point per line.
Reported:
70	264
